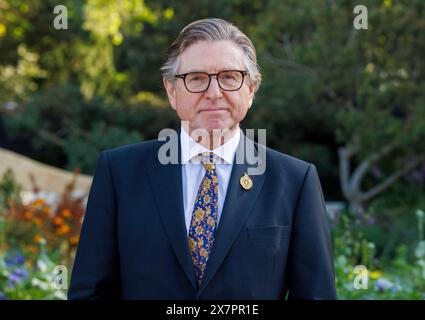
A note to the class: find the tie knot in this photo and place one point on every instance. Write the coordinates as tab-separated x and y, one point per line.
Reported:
207	160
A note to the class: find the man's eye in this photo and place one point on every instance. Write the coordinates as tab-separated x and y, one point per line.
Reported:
229	77
197	78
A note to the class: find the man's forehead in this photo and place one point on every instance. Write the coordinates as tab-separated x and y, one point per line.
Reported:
211	56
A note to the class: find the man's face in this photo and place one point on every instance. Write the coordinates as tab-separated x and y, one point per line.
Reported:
213	108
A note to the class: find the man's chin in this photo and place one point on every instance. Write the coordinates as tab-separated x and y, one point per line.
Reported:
217	125
212	127
217	130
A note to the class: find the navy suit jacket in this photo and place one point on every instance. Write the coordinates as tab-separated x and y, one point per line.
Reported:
272	241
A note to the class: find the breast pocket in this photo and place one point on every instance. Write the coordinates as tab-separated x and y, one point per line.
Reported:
268	233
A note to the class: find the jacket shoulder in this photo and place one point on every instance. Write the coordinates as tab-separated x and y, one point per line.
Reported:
280	163
139	152
291	162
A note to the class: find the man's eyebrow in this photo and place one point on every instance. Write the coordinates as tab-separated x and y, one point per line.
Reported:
189	71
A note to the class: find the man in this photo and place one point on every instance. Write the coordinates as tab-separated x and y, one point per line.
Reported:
204	228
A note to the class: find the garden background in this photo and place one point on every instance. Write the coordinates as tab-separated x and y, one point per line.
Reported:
350	101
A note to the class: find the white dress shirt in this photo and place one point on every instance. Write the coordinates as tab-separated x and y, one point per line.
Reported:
193	172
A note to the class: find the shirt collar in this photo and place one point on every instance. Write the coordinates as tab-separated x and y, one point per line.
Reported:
190	148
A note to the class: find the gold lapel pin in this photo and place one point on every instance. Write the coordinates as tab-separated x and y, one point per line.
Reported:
246	182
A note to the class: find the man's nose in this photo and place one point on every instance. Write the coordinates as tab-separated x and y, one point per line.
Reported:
214	90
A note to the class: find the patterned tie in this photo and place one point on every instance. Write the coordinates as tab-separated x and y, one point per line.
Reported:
203	224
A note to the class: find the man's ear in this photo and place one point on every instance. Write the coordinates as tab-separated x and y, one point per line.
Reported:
251	94
171	92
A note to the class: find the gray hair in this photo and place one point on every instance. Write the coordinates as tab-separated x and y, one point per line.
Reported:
211	29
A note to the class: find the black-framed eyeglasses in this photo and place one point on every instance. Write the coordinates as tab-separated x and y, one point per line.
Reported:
228	80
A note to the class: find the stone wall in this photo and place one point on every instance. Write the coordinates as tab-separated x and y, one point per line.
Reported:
48	178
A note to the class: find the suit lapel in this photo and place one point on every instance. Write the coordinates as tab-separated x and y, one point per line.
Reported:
166	182
237	207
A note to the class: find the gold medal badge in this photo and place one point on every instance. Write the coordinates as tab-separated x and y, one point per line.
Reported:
246	182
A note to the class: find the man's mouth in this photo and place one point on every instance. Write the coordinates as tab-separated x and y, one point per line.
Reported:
214	110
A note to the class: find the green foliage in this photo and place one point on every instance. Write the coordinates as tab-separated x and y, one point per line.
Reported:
60	121
9	189
400	277
389	213
330	84
20	80
100	137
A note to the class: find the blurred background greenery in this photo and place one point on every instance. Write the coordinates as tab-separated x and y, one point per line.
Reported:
350	101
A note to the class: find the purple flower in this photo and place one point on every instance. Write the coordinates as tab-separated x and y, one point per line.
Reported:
18	275
21	272
417	175
13	278
383	284
370	220
16	260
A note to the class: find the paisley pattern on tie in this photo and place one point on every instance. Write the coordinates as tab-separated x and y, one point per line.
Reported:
203	224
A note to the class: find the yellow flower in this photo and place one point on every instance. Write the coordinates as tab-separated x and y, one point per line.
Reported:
38	202
63	230
2	30
58	221
192	244
66	213
199	214
210	221
200	242
37	238
207	183
74	240
375	274
27	215
46	210
38	221
199	230
33	249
